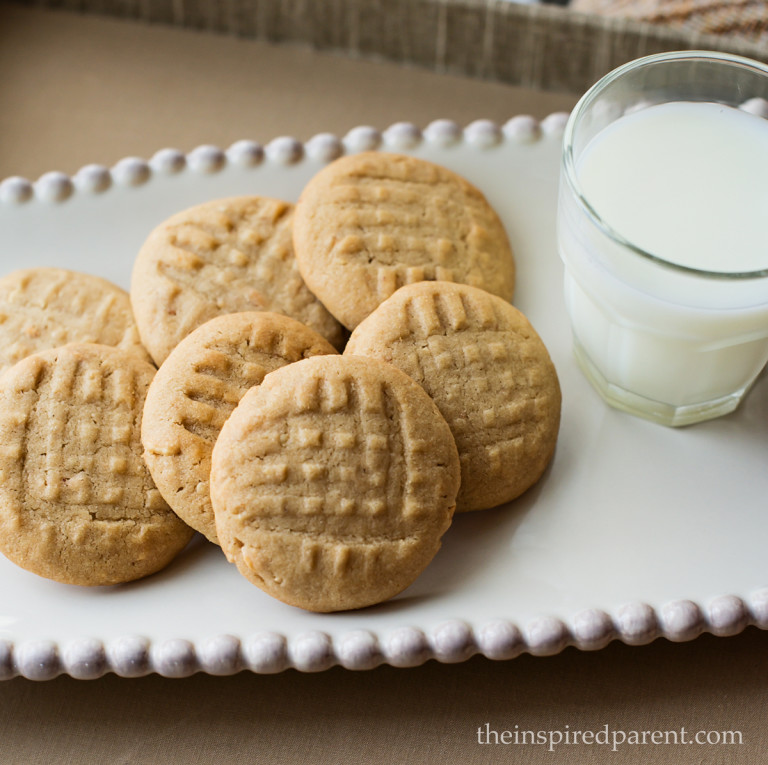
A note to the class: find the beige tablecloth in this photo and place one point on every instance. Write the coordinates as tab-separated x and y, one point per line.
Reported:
76	90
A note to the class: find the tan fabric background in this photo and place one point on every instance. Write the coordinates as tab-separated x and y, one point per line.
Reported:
77	89
537	46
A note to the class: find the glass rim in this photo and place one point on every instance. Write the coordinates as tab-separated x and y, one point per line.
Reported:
570	168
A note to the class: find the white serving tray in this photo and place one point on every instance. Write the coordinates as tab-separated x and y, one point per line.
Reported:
636	530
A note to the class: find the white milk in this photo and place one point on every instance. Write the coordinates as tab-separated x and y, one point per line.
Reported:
687	183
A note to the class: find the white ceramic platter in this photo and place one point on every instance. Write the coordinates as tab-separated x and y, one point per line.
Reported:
636	530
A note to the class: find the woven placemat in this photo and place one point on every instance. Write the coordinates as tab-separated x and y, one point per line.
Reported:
544	47
747	19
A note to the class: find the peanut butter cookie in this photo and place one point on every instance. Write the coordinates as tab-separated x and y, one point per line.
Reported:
487	370
43	308
195	391
333	482
370	223
77	503
226	256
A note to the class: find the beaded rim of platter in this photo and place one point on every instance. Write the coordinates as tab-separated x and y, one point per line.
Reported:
56	187
449	642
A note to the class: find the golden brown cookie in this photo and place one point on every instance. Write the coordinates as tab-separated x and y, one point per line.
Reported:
332	483
77	503
195	391
226	256
43	308
489	374
370	223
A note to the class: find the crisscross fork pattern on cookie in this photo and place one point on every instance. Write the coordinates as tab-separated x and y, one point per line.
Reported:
84	415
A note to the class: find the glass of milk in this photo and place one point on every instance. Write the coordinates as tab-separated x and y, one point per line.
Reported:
663	230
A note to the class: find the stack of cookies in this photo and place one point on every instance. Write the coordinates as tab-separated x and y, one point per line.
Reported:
326	465
77	503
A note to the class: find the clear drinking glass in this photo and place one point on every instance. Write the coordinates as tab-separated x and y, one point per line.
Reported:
660	338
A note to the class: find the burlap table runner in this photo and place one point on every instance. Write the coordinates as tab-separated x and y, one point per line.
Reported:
536	46
747	19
